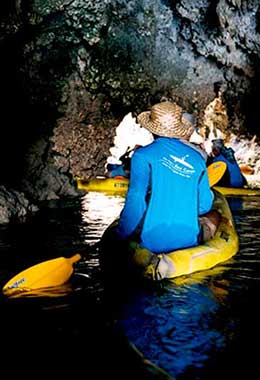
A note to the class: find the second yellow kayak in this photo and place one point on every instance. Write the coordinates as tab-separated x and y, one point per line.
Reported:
232	191
103	184
120	186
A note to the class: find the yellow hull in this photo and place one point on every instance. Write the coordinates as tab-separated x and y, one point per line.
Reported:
222	247
106	185
120	186
238	191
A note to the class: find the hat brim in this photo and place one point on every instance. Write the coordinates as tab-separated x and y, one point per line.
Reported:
184	130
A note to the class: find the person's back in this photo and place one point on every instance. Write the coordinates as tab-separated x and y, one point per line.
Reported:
168	186
233	176
116	171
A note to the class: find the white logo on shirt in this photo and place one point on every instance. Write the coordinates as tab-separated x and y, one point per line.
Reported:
181	160
178	165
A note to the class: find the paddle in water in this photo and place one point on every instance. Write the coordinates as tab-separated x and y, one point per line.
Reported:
49	273
57	271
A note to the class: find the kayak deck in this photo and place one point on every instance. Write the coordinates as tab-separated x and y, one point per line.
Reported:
222	247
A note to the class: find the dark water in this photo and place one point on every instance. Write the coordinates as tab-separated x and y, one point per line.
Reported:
204	326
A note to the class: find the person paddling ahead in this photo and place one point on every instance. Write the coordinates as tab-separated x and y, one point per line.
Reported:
233	176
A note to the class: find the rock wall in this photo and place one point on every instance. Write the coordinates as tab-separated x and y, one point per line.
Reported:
71	70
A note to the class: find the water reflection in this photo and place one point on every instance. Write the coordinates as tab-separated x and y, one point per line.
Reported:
178	327
98	211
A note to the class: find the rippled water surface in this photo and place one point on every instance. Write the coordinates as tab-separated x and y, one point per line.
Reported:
204	326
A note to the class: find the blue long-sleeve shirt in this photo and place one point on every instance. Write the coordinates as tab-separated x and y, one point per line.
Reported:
168	190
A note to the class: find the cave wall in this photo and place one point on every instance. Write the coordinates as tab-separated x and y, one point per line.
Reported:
70	71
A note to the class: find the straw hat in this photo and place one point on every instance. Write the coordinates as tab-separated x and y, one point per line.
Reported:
166	119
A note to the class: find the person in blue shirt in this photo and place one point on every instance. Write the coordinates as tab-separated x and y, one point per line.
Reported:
120	170
117	171
168	187
233	176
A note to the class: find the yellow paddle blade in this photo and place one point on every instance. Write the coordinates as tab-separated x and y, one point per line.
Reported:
216	171
53	272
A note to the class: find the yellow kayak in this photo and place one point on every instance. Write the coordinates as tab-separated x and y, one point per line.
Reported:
120	186
103	184
222	247
237	191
